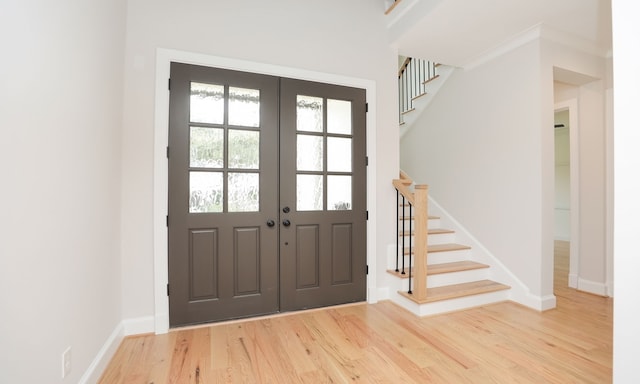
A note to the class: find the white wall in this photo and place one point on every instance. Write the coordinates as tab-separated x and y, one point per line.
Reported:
60	115
626	333
332	37
478	146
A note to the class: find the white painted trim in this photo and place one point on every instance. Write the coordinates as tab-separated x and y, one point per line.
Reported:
574	182
538	31
573	280
160	169
547	302
514	42
609	192
594	287
100	362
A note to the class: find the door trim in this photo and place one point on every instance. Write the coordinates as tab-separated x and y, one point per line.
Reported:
160	165
571	105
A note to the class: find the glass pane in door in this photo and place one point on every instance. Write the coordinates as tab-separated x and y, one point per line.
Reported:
206	103
244	149
205	192
244	107
338	154
309	113
244	192
339	193
310	153
309	189
339	116
206	146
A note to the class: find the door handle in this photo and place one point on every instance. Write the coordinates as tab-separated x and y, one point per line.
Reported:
270	223
286	222
286	209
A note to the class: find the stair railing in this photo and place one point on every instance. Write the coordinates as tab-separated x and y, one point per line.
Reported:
418	213
413	77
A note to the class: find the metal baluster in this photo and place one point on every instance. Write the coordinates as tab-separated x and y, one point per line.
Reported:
397	228
410	249
403	217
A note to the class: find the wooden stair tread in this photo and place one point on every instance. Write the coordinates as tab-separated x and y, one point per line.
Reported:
458	290
436	269
447	247
430	79
414	98
407	111
456	266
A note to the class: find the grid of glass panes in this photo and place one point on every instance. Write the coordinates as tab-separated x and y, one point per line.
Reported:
224	149
323	154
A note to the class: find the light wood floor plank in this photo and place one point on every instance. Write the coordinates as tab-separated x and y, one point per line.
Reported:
383	343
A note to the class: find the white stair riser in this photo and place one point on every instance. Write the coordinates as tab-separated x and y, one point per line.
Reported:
437	238
435	257
450	305
431	223
457	277
447	278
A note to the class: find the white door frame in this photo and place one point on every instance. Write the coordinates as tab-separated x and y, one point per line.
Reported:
574	181
164	57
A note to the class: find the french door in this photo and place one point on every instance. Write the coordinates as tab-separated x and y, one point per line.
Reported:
267	194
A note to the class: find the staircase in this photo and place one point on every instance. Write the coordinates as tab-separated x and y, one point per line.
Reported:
451	279
418	82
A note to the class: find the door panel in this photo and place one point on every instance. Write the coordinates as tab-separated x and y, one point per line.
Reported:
223	140
323	192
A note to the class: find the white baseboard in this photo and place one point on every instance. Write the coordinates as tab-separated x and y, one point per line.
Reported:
573	280
539	303
126	327
596	288
547	302
383	293
99	363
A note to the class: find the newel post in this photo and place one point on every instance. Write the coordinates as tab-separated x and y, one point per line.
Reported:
420	253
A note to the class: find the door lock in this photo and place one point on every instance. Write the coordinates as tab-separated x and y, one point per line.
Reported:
286	210
286	222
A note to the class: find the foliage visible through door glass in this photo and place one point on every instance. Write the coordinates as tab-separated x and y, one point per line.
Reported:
244	192
206	103
244	107
205	192
338	193
206	147
309	114
244	149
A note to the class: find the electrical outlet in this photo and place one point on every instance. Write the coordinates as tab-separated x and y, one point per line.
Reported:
66	362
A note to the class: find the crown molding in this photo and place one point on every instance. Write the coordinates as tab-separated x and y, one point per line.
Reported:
539	31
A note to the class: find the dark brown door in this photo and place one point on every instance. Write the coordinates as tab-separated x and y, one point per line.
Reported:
322	195
244	239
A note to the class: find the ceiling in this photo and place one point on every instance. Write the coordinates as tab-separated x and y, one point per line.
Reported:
462	32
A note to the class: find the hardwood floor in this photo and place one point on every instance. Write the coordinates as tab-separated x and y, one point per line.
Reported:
382	343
